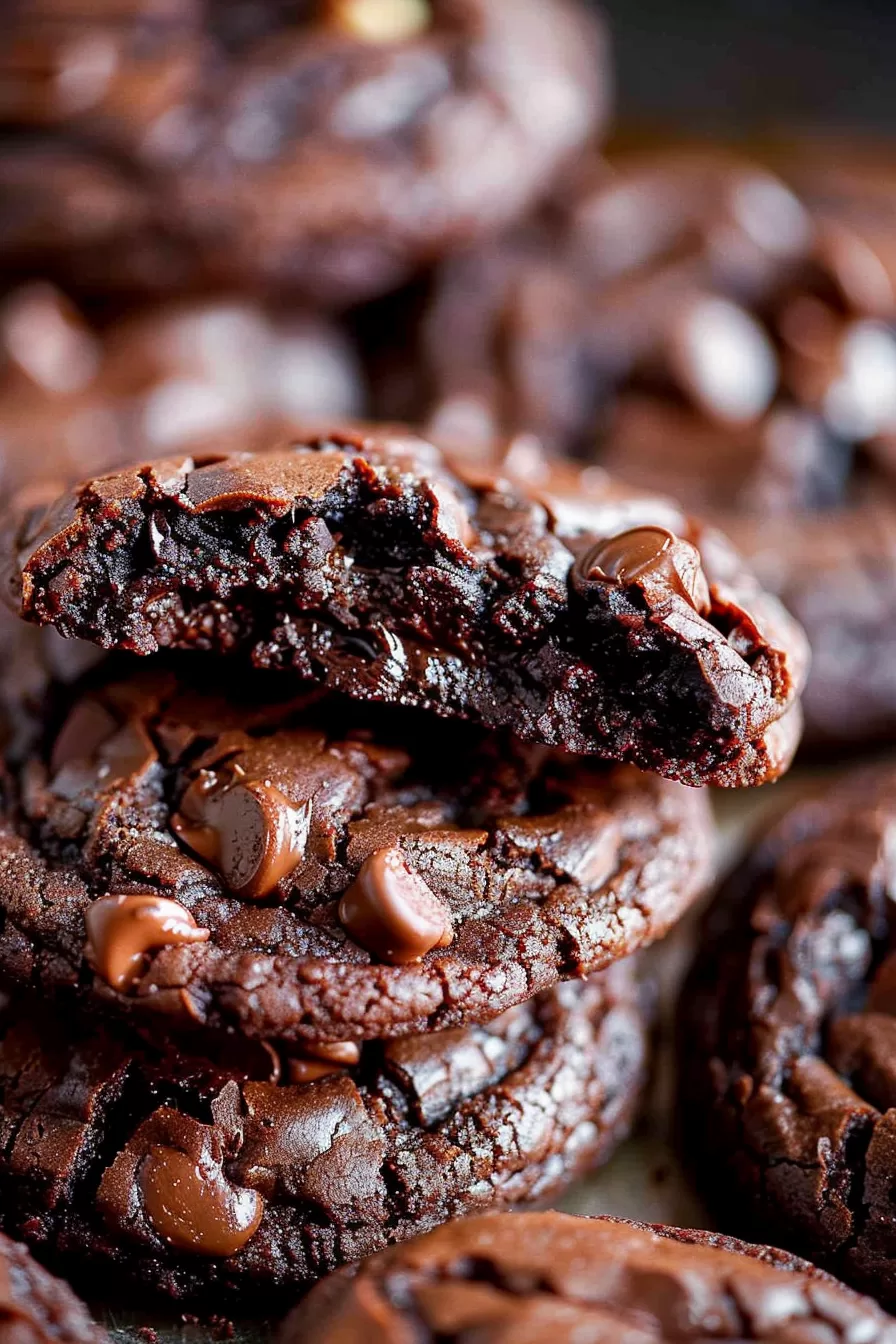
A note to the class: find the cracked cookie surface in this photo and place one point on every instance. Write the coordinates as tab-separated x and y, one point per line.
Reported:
789	1036
577	615
243	1166
537	1276
318	869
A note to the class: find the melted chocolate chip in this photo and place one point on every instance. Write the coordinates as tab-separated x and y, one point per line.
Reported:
391	911
248	829
193	1207
648	557
122	929
319	1061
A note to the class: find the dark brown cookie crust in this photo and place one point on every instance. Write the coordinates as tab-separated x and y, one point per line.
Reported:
35	1307
244	145
553	1276
539	867
788	1048
363	561
301	1178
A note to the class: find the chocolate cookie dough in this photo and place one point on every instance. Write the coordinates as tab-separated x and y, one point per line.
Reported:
789	1048
576	615
35	1308
248	1169
316	870
328	147
539	1276
691	322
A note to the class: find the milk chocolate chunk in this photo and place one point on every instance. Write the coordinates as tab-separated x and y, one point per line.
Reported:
541	1276
470	870
391	911
209	1179
788	1042
248	829
319	1061
193	1207
121	930
368	562
648	555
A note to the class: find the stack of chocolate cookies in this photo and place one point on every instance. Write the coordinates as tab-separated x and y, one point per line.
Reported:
291	877
347	768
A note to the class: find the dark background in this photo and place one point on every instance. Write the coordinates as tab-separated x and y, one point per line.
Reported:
748	65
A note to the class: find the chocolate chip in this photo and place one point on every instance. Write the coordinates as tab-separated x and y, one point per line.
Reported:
647	556
121	929
723	359
319	1061
624	557
248	829
193	1207
391	911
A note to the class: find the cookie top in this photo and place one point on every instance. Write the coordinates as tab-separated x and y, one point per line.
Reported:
554	1276
243	1167
36	1308
312	869
789	1048
574	613
329	147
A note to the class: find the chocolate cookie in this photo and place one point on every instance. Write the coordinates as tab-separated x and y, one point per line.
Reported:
539	1276
329	147
77	398
578	615
789	1049
690	323
35	1308
248	1168
317	870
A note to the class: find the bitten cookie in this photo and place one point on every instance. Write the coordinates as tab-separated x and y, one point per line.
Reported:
36	1308
328	148
246	1168
692	323
789	1036
540	1276
311	869
576	614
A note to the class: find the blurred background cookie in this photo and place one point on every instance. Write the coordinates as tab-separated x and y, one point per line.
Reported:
329	148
